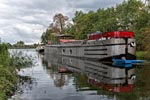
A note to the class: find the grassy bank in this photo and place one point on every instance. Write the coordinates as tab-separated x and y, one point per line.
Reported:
8	80
8	66
8	76
144	55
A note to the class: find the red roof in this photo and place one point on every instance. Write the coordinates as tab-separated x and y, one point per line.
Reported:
114	34
66	40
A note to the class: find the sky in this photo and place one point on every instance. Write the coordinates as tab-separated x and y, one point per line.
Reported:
26	20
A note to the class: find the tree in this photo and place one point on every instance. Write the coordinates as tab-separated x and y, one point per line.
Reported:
59	22
20	43
58	26
146	39
44	38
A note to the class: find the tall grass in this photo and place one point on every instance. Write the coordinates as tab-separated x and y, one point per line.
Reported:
8	75
4	55
20	60
144	55
8	80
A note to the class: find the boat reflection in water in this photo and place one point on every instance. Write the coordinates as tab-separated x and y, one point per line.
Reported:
98	74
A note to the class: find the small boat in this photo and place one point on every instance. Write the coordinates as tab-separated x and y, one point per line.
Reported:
40	49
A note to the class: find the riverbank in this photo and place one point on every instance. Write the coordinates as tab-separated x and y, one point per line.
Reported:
8	76
8	81
143	55
8	70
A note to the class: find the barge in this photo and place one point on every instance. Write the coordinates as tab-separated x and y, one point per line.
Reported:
98	46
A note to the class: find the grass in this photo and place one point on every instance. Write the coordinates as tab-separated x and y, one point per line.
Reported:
8	75
144	55
8	80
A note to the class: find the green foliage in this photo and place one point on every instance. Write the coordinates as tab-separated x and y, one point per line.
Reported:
123	17
145	55
20	43
7	74
23	47
146	39
8	81
140	54
4	55
44	37
8	78
142	85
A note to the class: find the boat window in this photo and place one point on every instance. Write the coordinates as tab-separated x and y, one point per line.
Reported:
70	51
63	50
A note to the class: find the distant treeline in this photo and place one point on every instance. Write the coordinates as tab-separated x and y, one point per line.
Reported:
21	47
131	15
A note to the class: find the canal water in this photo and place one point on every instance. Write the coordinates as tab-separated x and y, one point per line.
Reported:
54	77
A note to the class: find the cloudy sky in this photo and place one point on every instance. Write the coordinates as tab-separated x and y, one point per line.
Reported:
25	20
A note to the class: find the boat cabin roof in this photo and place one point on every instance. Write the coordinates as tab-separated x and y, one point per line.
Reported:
114	34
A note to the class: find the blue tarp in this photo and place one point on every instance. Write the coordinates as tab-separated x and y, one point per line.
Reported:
126	63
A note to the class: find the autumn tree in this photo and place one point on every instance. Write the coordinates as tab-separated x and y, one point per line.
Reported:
60	25
59	22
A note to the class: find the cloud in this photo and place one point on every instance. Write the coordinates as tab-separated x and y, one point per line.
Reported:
93	4
26	20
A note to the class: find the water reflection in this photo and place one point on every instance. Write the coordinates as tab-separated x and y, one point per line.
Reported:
98	74
66	78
